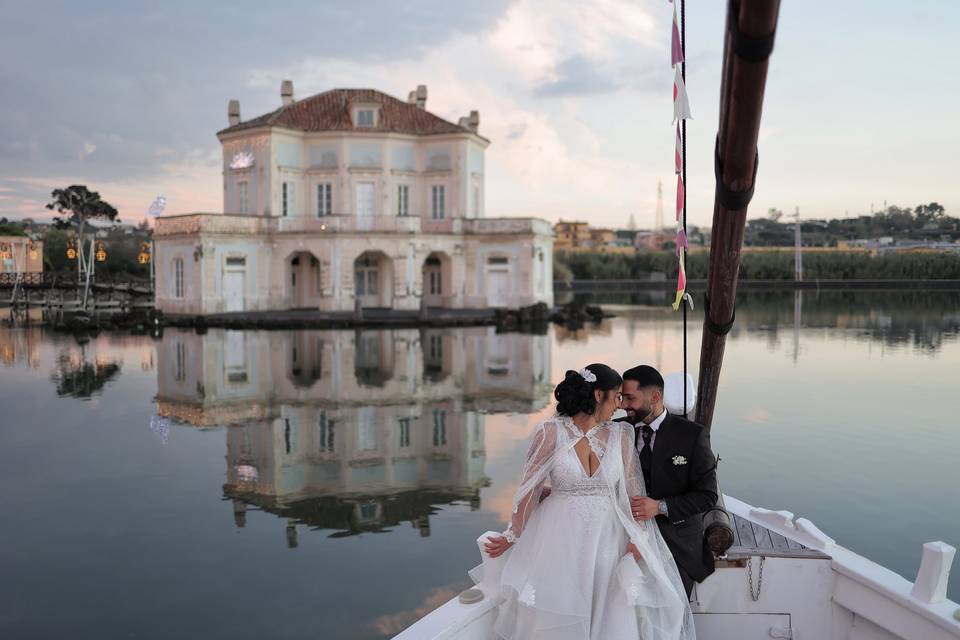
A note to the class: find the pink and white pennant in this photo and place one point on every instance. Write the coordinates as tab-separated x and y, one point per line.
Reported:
676	47
677	154
681	104
681	284
682	242
681	196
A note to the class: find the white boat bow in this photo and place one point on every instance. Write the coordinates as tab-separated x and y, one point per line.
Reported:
783	578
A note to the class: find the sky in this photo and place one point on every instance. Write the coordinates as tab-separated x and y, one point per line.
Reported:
575	96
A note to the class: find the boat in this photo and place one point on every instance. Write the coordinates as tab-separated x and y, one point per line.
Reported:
777	575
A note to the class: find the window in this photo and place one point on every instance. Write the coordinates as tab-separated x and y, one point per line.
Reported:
324	199
366	281
404	432
365	118
436	347
435	283
326	433
180	372
289	199
403	200
236	261
439	192
439	427
242	196
178	278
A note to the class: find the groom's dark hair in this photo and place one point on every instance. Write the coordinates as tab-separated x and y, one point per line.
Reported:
645	376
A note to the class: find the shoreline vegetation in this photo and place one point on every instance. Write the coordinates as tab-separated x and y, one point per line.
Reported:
658	269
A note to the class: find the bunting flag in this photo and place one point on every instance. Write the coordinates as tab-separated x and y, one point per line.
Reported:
677	157
681	241
681	284
676	50
681	111
680	196
681	105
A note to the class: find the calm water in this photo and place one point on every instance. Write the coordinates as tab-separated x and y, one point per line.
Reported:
332	483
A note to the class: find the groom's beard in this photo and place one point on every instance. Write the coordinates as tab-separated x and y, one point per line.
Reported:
640	415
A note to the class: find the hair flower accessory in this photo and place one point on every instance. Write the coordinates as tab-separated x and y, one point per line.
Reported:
588	375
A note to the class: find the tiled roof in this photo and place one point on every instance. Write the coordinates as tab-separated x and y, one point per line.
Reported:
330	111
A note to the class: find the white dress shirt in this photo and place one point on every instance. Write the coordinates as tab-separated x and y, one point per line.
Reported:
655	425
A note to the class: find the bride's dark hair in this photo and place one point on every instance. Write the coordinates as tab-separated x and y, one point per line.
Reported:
575	394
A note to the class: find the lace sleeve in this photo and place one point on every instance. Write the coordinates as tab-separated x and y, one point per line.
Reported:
633	474
536	468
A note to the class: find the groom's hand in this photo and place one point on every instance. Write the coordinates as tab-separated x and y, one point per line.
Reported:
644	508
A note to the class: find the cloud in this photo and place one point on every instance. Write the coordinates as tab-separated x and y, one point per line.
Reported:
575	76
391	625
147	100
758	415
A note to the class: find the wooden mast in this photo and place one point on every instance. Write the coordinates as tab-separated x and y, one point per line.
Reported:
748	41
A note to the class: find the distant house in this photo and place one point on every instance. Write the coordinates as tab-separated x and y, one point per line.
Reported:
571	236
579	236
21	254
351	198
624	238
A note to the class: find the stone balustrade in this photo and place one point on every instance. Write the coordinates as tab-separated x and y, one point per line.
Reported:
338	223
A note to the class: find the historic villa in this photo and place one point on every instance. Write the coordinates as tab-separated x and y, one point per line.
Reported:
351	199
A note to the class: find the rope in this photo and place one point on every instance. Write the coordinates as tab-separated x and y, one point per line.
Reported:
686	187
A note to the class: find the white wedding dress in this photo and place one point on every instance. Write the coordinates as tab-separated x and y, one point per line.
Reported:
568	576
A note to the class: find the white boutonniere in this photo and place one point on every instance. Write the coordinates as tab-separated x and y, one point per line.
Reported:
678	460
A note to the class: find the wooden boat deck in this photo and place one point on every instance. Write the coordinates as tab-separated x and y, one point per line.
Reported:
752	539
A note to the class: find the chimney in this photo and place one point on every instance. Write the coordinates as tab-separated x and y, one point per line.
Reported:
233	112
286	92
412	97
421	96
471	122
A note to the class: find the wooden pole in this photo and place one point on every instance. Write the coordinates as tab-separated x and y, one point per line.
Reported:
749	24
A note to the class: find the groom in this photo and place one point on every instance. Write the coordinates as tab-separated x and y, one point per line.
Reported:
679	470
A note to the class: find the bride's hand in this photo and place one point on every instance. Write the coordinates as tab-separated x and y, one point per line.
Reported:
631	548
496	546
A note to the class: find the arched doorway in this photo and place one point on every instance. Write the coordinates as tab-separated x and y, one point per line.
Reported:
373	280
437	280
373	357
303	280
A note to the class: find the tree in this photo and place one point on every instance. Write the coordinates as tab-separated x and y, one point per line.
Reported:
55	250
82	205
11	228
927	213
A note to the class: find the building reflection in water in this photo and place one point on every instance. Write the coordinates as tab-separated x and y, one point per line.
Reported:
351	431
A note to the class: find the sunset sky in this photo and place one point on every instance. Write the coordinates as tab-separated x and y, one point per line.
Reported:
575	97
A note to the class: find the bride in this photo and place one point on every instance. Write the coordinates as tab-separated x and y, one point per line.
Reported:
579	567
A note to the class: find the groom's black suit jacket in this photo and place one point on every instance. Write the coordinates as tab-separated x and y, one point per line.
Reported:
683	471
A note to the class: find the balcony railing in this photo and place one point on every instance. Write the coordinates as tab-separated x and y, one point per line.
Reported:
344	223
209	223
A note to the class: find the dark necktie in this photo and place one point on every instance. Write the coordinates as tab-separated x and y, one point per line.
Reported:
645	454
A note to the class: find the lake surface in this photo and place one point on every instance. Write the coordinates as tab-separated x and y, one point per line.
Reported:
331	484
